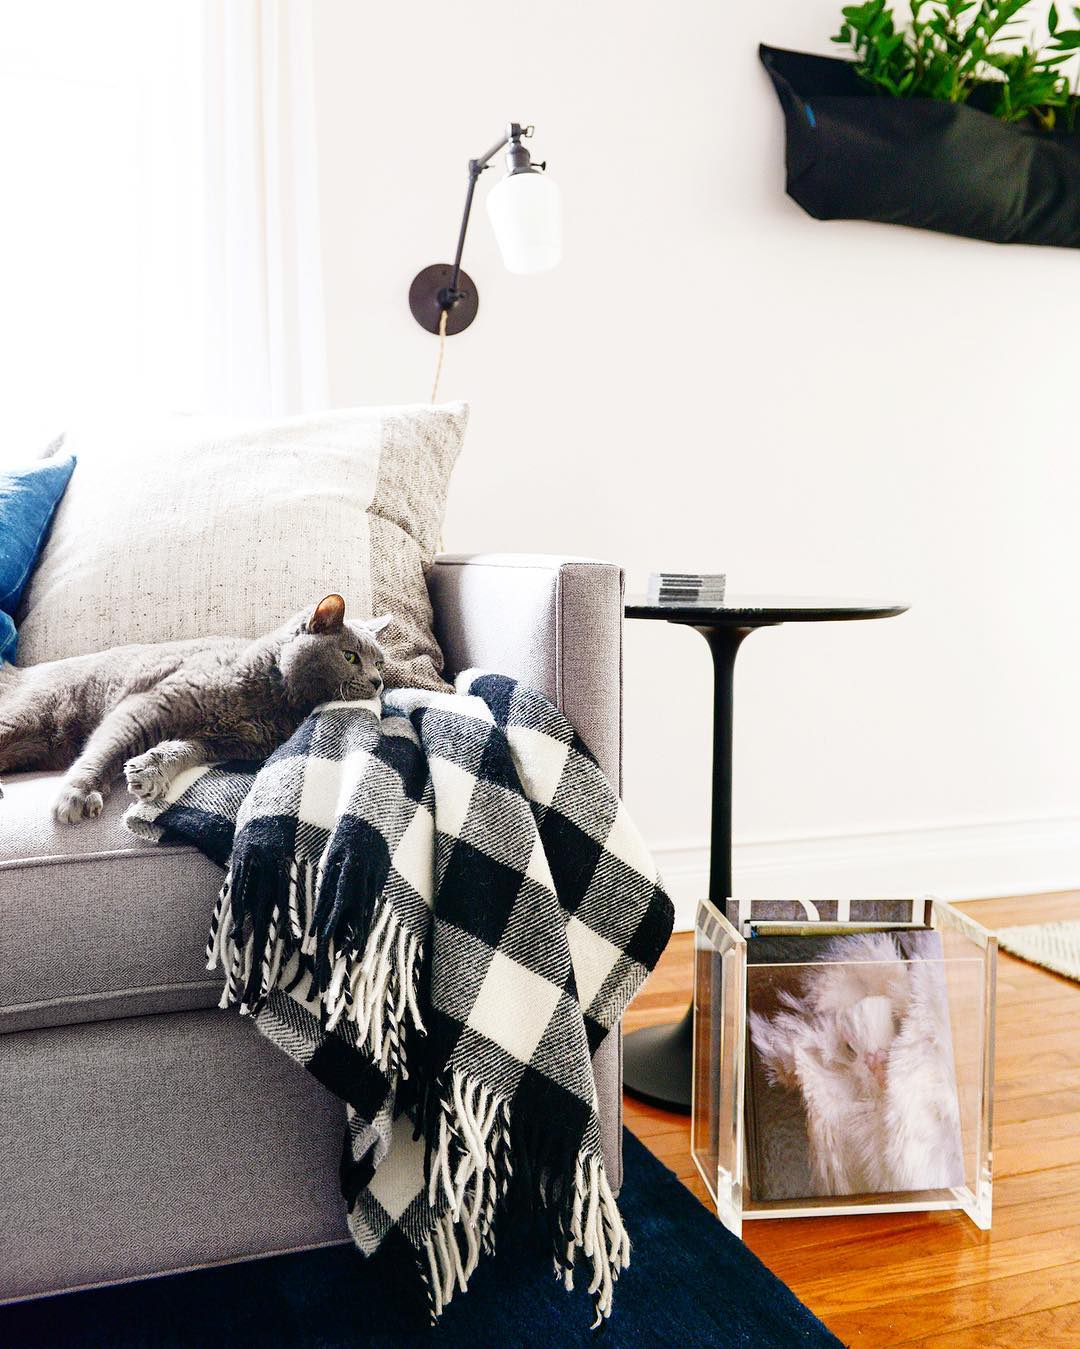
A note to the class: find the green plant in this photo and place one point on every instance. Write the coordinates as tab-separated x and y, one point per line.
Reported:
952	48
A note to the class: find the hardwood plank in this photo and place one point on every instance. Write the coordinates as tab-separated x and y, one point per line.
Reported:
1018	909
823	1242
982	1314
1037	1106
1052	1326
1027	1085
959	1255
1053	1128
932	1278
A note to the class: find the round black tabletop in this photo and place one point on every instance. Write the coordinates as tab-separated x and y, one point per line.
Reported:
762	610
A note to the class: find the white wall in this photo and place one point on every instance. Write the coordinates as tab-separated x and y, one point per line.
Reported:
713	380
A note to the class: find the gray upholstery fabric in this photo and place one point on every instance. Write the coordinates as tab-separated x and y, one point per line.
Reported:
98	926
96	923
158	1143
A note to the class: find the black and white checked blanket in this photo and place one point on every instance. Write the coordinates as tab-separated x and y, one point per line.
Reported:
440	908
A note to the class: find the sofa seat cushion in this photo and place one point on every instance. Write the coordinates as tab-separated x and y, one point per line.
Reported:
95	923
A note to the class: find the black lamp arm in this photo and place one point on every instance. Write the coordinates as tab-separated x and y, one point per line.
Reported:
518	157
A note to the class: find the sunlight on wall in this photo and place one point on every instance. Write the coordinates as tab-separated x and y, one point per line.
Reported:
101	231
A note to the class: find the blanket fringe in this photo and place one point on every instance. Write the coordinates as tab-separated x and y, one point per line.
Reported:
252	925
469	1178
597	1233
375	987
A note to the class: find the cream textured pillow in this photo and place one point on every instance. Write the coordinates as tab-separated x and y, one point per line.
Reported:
197	527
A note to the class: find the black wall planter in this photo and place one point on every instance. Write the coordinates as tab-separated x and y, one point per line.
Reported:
856	155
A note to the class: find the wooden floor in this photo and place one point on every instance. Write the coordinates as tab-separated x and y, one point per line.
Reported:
932	1278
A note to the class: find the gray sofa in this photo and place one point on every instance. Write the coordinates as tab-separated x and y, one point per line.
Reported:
143	1130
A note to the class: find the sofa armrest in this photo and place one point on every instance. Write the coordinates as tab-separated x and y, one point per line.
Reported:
555	623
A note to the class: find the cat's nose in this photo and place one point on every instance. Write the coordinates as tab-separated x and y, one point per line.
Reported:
876	1061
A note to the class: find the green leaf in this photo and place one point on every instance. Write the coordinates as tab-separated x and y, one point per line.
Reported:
948	48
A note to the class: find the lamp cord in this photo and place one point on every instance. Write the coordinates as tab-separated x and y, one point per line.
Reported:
442	347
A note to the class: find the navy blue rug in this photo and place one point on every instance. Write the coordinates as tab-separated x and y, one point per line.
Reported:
690	1283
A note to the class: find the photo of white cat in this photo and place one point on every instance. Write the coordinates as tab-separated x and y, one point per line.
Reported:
857	1048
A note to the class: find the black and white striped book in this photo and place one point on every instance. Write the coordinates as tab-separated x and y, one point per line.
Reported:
676	587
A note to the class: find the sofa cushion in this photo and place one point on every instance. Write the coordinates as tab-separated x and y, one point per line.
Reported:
195	526
95	923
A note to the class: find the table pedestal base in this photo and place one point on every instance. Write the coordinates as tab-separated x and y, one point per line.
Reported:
658	1063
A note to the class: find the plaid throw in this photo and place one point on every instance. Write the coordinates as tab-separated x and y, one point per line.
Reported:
440	908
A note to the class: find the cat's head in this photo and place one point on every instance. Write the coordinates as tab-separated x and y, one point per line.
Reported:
323	658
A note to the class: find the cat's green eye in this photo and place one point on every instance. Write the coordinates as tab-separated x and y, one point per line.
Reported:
351	657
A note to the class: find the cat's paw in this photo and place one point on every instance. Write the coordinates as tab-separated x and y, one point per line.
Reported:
74	805
146	776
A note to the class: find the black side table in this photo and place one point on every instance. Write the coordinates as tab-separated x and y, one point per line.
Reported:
657	1061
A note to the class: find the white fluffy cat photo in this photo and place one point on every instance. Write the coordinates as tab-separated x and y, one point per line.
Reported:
863	1039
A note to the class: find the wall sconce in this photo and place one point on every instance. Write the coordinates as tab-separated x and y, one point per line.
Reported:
525	209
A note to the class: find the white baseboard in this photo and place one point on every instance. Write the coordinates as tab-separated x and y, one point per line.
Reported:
964	861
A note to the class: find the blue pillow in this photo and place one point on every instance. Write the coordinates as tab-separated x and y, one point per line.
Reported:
8	637
28	500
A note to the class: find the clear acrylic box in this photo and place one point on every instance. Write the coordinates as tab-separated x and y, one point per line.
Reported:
750	1158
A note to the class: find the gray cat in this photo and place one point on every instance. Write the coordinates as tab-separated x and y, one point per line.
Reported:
156	710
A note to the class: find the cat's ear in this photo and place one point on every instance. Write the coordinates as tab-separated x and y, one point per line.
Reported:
329	615
376	625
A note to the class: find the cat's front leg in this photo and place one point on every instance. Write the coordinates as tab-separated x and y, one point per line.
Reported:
149	775
129	725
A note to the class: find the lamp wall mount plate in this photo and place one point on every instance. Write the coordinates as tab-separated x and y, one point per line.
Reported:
429	296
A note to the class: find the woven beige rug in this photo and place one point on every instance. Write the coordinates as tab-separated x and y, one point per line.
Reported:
1056	946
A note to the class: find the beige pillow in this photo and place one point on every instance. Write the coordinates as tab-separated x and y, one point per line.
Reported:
198	526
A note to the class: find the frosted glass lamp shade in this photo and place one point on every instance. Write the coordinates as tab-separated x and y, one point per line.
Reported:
526	215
